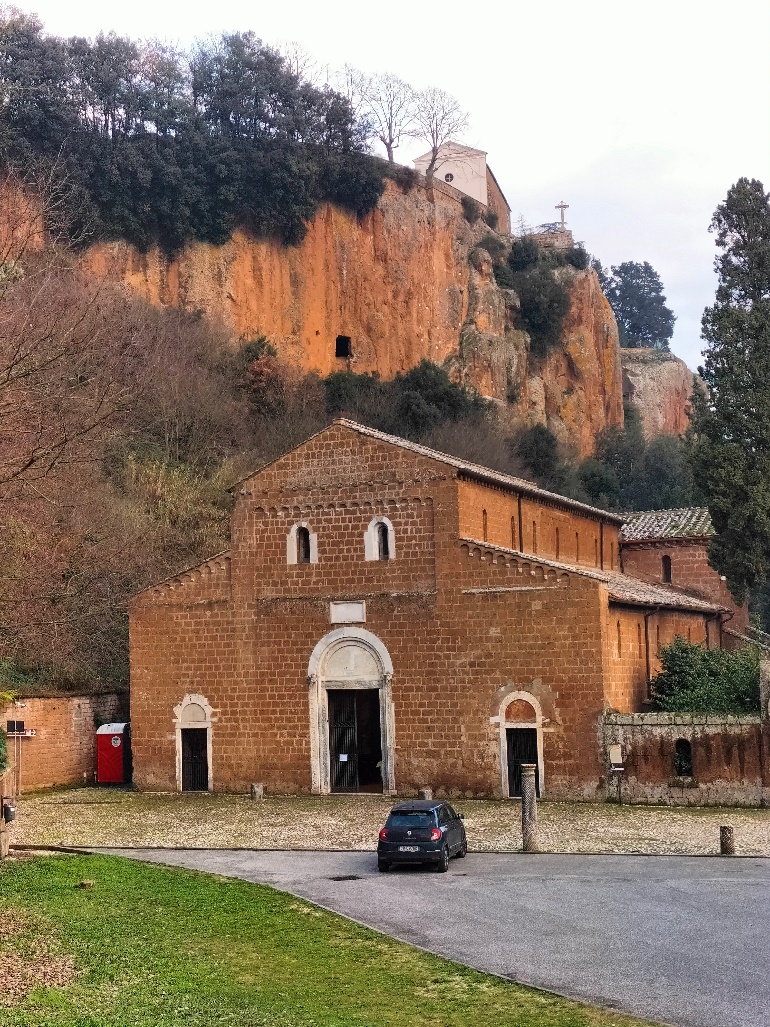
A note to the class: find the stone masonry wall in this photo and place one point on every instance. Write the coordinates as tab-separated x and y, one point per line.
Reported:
729	758
63	750
690	569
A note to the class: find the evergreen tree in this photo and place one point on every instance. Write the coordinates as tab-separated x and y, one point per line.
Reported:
731	422
635	293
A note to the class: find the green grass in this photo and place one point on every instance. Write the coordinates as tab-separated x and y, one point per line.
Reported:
158	946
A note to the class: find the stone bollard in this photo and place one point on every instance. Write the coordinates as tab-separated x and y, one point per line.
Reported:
256	791
726	841
529	808
426	793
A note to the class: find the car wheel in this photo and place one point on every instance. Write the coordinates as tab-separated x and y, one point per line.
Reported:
383	865
443	864
463	849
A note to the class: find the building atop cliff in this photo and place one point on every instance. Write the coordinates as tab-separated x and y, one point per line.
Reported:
466	169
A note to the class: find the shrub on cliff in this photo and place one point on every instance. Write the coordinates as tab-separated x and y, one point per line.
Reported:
699	680
544	305
471	209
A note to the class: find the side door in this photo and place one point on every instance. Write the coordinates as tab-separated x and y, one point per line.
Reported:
446	823
456	828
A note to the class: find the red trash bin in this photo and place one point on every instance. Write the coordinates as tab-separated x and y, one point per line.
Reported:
113	754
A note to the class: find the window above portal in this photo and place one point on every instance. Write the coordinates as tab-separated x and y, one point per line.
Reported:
379	540
301	544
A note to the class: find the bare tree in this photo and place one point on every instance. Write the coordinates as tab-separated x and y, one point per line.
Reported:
389	103
438	118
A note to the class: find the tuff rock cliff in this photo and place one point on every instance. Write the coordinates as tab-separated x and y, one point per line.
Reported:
405	282
659	385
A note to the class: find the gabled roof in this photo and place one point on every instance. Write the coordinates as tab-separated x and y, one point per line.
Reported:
467	469
457	148
622	588
649	525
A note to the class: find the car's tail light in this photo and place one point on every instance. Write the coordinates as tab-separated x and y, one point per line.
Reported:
383	835
435	834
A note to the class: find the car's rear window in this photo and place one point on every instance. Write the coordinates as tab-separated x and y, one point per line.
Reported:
416	819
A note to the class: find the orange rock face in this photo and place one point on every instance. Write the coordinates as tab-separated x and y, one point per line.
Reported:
659	385
404	283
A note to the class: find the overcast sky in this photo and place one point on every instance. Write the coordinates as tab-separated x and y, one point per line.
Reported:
639	115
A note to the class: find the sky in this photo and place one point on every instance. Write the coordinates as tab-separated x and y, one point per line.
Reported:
640	116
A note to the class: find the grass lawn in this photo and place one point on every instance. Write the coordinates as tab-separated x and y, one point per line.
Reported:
147	945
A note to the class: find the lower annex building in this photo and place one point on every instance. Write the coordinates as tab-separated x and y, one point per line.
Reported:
389	617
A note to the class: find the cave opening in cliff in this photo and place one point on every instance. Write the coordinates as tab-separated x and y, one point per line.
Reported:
342	347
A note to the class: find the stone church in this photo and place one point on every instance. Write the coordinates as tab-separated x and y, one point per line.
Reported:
389	617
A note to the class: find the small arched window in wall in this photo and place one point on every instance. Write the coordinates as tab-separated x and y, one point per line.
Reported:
514	538
657	639
301	544
577	547
534	536
682	758
379	540
596	552
557	544
619	640
666	568
484	525
639	638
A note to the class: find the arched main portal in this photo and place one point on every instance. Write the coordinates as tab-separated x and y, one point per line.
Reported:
351	713
192	722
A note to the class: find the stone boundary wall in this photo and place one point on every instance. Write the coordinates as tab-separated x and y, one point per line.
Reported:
729	758
63	750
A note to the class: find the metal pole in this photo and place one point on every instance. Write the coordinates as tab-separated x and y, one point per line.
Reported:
529	809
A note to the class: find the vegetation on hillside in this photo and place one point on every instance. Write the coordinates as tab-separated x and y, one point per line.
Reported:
635	293
695	679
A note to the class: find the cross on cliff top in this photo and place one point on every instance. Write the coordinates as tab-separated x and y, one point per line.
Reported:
562	207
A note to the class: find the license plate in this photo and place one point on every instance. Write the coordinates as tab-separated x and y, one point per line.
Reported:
409	848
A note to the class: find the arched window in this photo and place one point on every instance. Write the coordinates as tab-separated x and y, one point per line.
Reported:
666	568
577	547
379	540
303	545
534	536
618	630
557	543
514	539
383	542
596	552
484	525
683	758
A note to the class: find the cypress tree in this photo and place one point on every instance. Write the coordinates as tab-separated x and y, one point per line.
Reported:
731	424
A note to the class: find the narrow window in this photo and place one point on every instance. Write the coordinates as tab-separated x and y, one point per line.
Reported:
596	552
534	536
657	639
514	539
612	556
666	568
689	634
303	545
618	629
577	547
683	758
383	542
639	637
342	347
557	543
484	525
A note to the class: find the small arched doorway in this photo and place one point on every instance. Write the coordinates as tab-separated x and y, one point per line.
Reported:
351	714
193	744
521	740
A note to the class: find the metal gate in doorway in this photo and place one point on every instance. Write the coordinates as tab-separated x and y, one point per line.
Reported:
355	740
195	759
521	744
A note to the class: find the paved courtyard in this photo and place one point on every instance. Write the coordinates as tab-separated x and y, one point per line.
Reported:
114	817
680	940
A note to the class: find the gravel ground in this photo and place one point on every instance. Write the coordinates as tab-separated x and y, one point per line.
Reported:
116	818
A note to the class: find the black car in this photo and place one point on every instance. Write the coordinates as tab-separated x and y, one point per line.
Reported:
421	831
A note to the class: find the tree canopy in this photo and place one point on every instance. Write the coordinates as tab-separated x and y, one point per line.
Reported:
731	422
168	146
635	293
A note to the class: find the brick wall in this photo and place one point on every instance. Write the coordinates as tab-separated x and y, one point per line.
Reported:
729	764
689	569
496	202
63	750
556	534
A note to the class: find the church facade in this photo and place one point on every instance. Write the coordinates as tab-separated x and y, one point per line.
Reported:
389	618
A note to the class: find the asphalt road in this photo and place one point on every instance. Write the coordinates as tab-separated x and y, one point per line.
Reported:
678	939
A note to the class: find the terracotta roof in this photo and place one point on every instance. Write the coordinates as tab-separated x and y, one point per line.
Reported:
688	522
480	473
622	588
